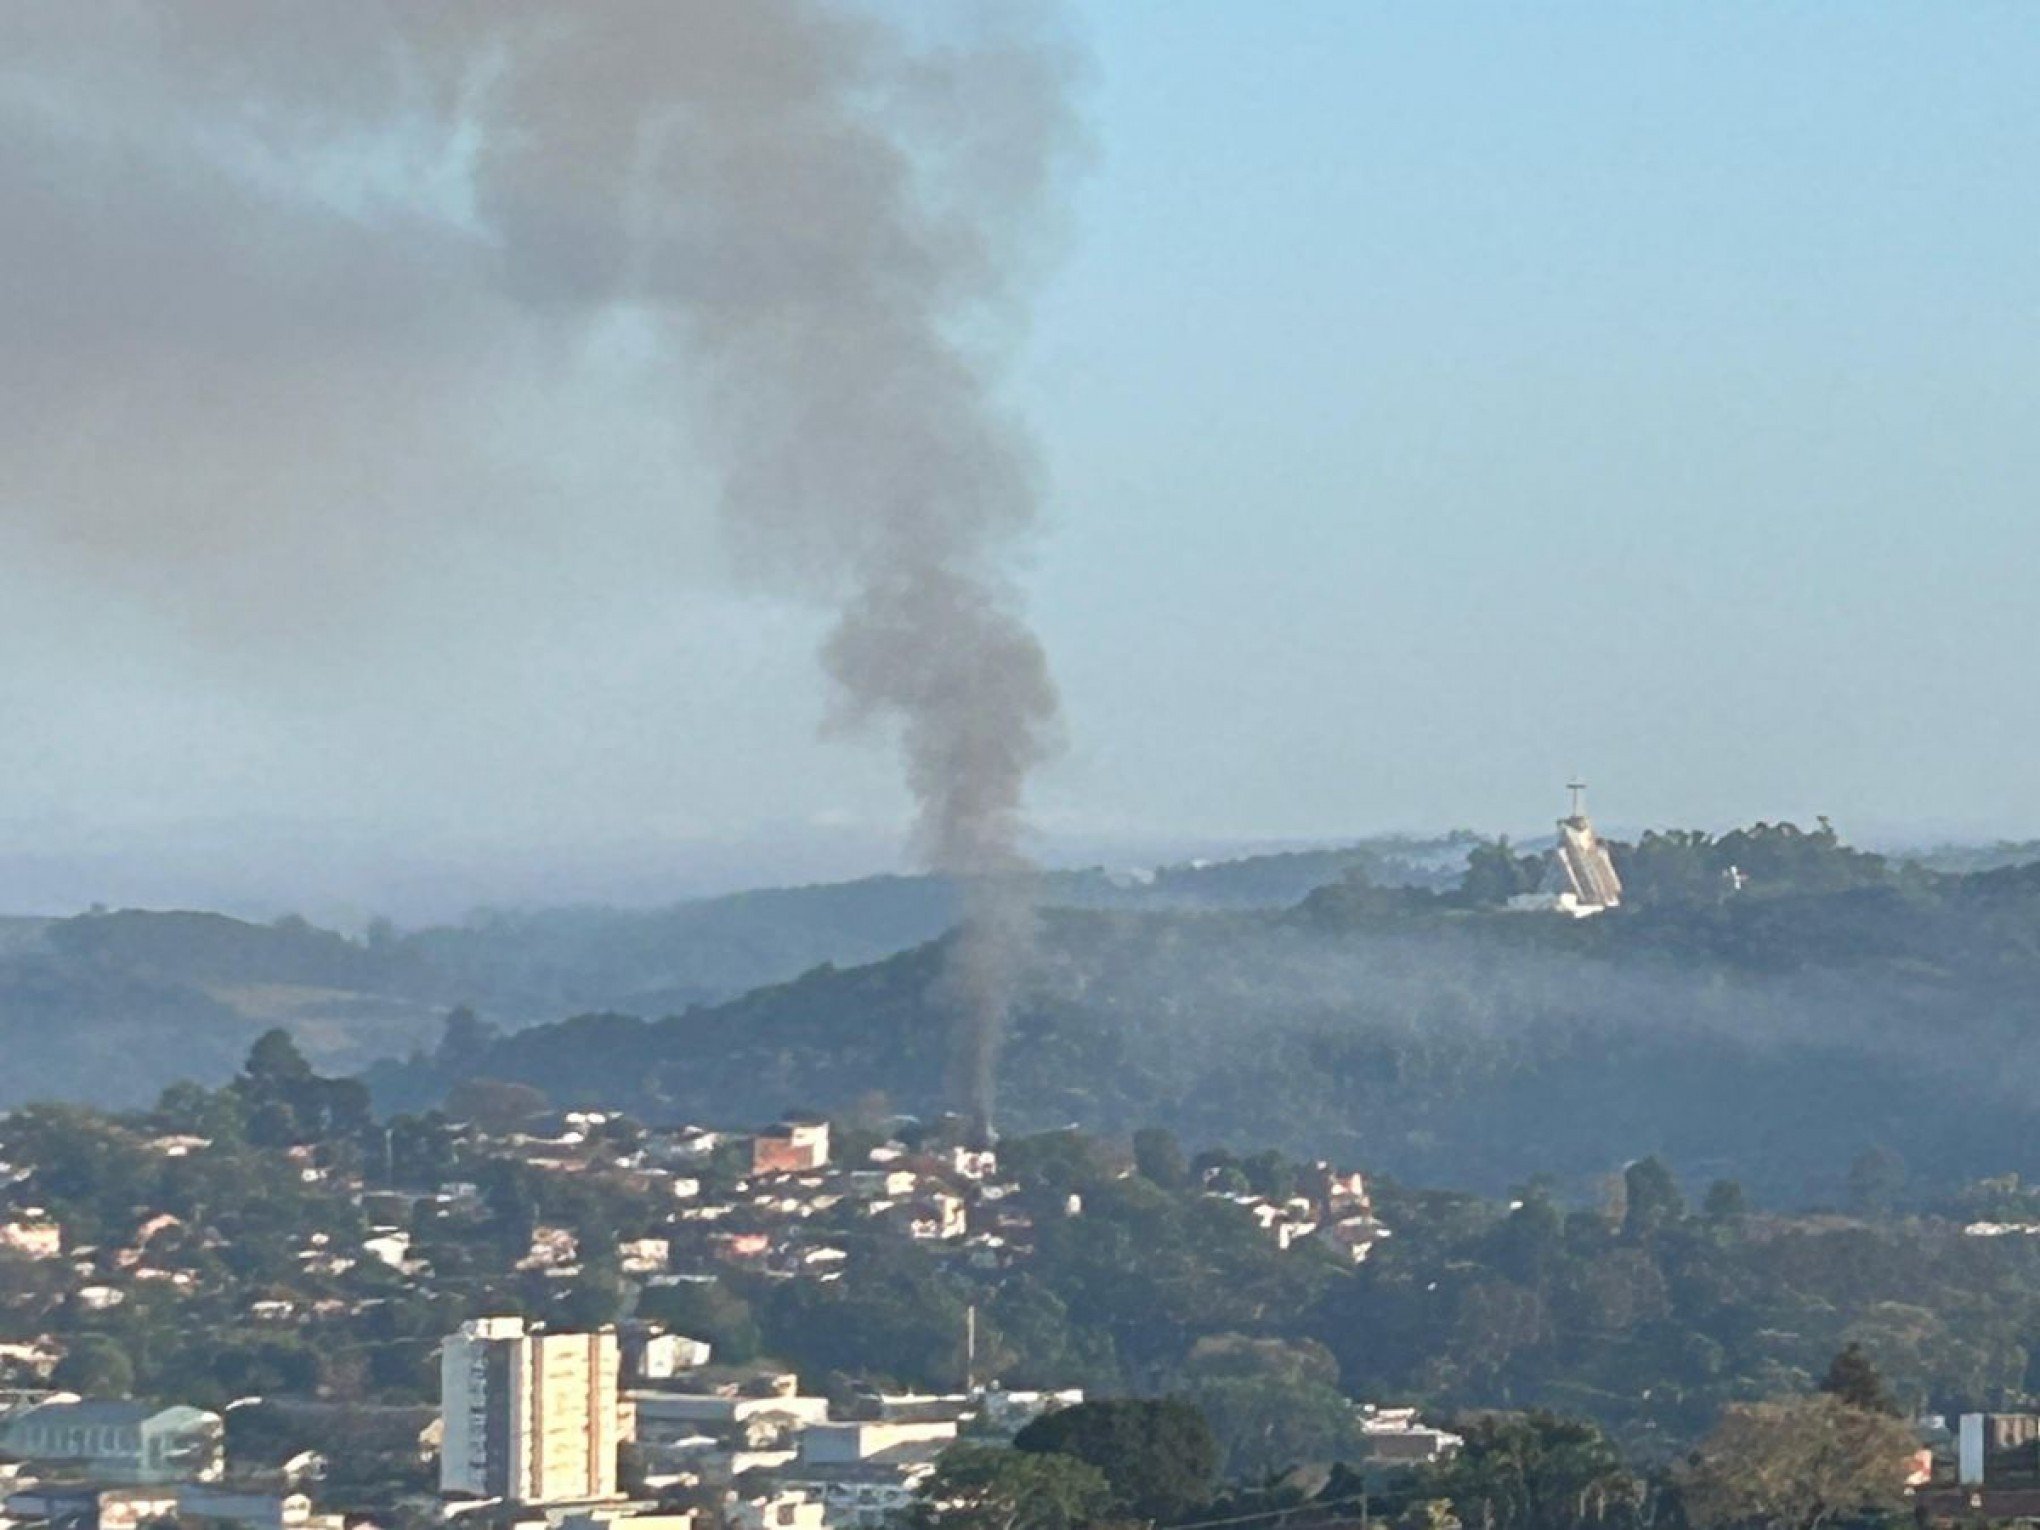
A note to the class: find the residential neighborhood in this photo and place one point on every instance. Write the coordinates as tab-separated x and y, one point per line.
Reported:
326	1279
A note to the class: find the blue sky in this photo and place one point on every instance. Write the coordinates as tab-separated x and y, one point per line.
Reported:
1444	399
1435	401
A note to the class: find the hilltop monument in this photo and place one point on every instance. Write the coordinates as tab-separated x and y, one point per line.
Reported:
1579	876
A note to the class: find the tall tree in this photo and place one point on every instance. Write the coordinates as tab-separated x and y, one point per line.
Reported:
1159	1157
1852	1377
1495	873
988	1487
1158	1455
1533	1472
1650	1198
275	1059
1796	1464
1725	1201
95	1366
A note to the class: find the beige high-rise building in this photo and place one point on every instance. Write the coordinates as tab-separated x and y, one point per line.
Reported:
528	1416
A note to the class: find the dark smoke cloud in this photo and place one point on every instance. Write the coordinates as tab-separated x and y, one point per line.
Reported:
260	250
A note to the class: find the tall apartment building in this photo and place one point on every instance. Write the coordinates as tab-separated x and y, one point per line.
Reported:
528	1416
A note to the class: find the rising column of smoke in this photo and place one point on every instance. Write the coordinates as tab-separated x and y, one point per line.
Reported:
226	369
817	212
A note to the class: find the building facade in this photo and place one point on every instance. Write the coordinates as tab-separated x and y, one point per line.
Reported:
127	1442
791	1147
1579	875
529	1417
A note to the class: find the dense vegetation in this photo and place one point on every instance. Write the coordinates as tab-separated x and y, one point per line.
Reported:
1768	1005
519	967
1645	1313
108	1007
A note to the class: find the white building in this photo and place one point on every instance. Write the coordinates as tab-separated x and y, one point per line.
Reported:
116	1441
529	1417
653	1355
33	1235
866	1474
1579	875
1398	1437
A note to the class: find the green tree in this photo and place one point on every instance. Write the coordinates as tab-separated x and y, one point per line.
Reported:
1159	1157
989	1487
275	1059
1271	1174
1796	1464
1495	873
1725	1202
1852	1377
1672	866
95	1366
219	1114
494	1104
1650	1198
1783	857
891	1315
463	1037
1271	1403
1265	1424
1158	1455
1533	1472
598	1295
1530	1244
706	1310
1024	1335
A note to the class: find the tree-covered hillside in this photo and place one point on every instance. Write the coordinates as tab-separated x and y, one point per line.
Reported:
110	1006
1768	1005
546	963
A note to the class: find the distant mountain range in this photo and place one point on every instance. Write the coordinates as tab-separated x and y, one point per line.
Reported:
109	1007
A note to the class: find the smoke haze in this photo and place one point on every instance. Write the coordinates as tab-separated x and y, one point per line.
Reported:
260	248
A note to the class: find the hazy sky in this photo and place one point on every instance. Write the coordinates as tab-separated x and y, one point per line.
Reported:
1435	401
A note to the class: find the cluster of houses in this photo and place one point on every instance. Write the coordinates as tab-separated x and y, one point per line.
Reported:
761	1202
781	1203
158	1253
776	1215
776	1202
1330	1205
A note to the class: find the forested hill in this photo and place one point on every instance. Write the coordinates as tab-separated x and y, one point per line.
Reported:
1830	1005
546	963
109	1007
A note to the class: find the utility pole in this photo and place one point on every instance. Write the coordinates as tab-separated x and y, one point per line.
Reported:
969	1348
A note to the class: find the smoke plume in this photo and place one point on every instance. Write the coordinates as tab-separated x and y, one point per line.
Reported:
811	219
